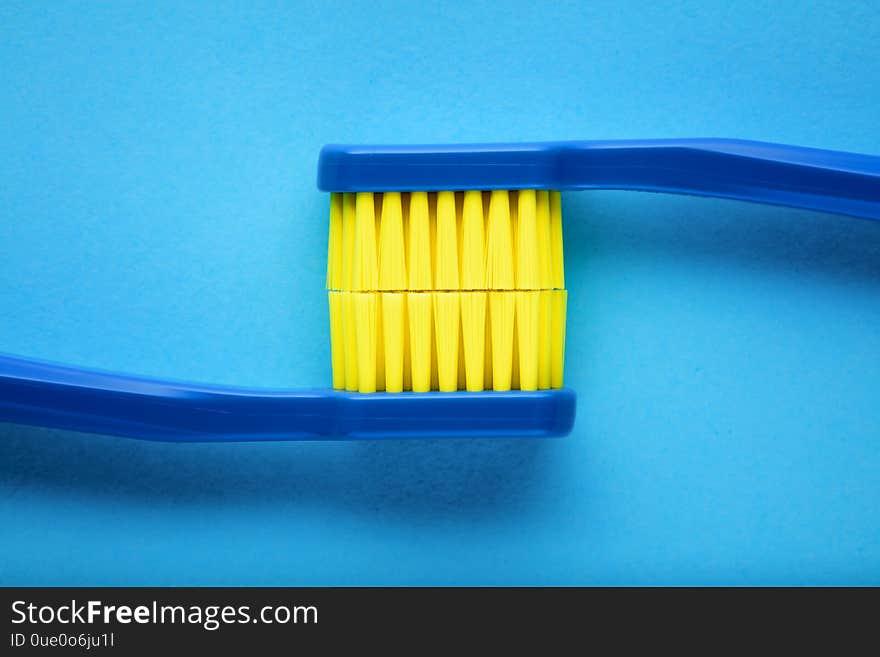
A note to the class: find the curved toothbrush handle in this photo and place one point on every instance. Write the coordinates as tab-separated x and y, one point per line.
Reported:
46	394
830	181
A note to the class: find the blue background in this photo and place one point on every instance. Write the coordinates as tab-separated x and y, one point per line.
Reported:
158	215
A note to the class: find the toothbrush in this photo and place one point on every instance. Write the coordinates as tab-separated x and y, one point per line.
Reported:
446	291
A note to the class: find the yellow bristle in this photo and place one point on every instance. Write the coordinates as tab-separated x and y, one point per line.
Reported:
377	208
419	243
420	339
528	308
462	377
366	265
407	357
366	319
446	331
487	348
459	214
337	347
558	356
435	379
432	234
392	335
392	255
380	343
348	240
334	243
542	220
499	243
514	361
473	330
349	336
513	201
556	261
527	259
501	313
473	246
545	340
446	243
396	263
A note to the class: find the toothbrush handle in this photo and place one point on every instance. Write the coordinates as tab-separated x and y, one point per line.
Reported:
46	394
830	181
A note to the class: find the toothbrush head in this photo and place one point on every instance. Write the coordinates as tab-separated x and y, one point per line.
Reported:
450	289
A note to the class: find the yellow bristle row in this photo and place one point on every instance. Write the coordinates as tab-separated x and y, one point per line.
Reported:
426	241
446	291
421	341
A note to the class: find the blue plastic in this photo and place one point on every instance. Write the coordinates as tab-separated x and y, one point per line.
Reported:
830	181
46	394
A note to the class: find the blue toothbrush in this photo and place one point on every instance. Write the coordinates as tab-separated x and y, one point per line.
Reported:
46	394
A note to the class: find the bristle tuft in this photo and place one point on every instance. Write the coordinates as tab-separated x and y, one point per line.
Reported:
366	272
446	243
337	340
446	291
348	240
556	260
367	324
419	243
528	307
349	328
527	260
446	331
334	244
557	340
419	316
499	243
473	326
392	254
473	242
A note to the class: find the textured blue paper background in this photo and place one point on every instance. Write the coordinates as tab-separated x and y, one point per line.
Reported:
158	215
